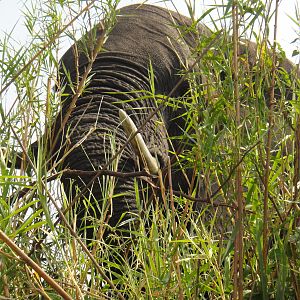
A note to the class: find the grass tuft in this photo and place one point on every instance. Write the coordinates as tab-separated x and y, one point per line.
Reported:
244	156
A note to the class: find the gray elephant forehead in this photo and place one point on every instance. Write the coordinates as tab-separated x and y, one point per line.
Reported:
144	35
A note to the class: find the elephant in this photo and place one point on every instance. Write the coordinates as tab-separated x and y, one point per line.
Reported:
119	78
146	53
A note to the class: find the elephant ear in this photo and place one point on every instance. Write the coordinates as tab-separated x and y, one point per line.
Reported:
138	143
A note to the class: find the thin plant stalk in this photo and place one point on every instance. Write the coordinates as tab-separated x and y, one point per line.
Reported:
268	147
239	217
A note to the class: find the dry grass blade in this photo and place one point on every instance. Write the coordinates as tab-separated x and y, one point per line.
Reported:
33	265
239	214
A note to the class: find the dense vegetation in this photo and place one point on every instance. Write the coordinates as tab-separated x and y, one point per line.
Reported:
243	240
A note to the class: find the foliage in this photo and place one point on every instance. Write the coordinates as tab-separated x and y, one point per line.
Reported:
175	252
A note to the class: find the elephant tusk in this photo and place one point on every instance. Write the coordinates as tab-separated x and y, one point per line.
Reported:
138	142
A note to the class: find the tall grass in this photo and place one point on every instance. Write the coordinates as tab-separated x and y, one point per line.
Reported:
243	238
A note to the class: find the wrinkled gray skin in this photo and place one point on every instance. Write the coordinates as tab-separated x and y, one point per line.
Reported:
142	34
